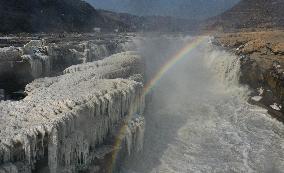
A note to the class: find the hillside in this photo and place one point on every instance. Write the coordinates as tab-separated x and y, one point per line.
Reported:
51	16
152	23
248	14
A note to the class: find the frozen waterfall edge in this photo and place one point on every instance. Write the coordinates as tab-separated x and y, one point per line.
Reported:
71	122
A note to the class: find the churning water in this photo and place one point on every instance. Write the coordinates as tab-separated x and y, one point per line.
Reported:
198	119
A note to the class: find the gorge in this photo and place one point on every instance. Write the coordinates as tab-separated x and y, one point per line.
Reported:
90	117
198	118
87	90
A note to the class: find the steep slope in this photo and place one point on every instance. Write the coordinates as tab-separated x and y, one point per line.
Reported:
152	23
51	16
250	14
262	61
188	9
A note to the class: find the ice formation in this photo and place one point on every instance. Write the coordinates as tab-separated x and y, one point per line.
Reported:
135	134
64	119
49	57
10	54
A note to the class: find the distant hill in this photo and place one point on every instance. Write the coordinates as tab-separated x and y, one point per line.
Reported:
152	23
188	9
250	14
33	16
52	16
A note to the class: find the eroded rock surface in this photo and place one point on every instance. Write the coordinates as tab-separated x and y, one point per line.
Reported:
70	122
262	65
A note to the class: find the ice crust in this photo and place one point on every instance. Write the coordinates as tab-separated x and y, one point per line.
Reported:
65	118
40	58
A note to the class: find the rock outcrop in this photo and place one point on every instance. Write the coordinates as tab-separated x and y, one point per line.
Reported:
262	65
71	122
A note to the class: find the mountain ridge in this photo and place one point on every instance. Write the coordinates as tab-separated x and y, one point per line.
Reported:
187	9
152	23
51	16
250	14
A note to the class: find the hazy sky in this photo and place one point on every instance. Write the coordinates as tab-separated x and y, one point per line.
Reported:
179	8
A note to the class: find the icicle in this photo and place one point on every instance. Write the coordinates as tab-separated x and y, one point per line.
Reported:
129	140
47	65
53	151
78	111
36	67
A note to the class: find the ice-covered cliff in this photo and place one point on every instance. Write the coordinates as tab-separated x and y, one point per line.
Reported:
49	57
70	122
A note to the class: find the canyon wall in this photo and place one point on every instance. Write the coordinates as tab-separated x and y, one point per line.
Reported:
261	56
76	121
37	58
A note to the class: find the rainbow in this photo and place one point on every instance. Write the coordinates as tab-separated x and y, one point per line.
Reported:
181	54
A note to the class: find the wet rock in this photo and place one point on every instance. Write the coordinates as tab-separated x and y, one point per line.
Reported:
262	64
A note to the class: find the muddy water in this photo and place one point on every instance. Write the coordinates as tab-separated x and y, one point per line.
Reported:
198	119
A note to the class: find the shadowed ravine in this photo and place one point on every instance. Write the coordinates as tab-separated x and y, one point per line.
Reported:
198	119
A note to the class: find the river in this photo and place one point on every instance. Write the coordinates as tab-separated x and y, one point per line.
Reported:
198	118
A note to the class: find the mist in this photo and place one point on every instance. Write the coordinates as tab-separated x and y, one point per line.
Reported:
141	86
197	115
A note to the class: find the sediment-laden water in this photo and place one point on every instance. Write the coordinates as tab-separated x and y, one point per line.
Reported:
198	119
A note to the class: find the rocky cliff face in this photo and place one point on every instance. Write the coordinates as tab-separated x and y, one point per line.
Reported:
250	14
49	57
52	16
254	31
262	62
73	122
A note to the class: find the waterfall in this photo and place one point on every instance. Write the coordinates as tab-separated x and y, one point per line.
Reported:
36	67
134	136
94	52
40	65
226	69
198	119
46	61
35	53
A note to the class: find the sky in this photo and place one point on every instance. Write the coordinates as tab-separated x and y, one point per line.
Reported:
192	9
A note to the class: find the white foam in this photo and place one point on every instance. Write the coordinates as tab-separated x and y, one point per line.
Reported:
198	121
256	98
276	106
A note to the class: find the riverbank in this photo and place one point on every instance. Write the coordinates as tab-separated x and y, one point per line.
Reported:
262	66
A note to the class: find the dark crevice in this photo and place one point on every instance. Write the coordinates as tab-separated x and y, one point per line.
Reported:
11	88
